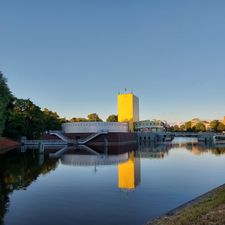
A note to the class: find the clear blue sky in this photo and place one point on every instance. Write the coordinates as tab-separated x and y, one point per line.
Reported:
74	56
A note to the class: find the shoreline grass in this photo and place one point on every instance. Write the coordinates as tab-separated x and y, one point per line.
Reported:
208	209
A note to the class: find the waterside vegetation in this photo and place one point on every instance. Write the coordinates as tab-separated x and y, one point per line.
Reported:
197	125
208	209
21	117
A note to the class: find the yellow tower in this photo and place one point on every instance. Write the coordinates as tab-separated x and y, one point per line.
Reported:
129	173
128	109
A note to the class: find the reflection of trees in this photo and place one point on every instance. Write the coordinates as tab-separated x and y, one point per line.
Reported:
218	151
200	148
154	150
18	171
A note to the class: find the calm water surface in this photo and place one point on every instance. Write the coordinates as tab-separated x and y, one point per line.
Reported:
119	186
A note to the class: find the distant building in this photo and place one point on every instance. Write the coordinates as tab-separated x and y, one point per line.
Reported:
109	133
224	120
128	109
150	126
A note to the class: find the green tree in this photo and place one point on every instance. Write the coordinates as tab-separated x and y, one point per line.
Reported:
174	128
24	118
182	128
79	119
188	126
112	118
51	120
93	117
214	124
220	127
200	127
5	98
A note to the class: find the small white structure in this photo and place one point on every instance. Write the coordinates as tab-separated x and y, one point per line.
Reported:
94	127
150	126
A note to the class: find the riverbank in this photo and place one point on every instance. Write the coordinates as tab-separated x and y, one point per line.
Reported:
206	209
7	145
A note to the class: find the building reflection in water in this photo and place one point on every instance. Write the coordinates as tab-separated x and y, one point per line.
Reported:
153	150
19	170
129	173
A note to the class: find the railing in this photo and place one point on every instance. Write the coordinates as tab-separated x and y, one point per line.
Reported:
58	153
63	139
61	136
45	142
91	137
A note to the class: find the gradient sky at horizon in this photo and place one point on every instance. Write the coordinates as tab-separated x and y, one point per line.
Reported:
74	56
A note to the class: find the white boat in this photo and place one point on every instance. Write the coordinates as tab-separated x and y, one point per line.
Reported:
219	139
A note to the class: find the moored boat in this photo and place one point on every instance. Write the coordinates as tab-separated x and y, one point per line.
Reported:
219	139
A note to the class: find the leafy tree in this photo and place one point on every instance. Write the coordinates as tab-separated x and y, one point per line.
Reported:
214	124
182	128
5	97
174	128
51	120
24	118
220	127
200	126
79	119
112	118
93	117
188	126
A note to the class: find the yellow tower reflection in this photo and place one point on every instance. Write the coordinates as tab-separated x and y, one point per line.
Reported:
129	173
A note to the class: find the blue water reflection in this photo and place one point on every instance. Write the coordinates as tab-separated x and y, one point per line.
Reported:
123	185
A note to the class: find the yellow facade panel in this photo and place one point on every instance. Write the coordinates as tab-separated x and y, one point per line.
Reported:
128	109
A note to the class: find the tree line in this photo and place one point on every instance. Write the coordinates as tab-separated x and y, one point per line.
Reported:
21	117
200	126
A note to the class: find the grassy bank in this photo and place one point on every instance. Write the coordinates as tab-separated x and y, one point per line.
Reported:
6	145
208	209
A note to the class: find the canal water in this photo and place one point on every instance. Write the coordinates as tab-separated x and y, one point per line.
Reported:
91	186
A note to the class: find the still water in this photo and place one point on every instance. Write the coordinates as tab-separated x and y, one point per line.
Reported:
105	186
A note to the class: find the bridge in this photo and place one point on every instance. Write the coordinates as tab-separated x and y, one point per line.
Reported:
63	140
202	136
185	134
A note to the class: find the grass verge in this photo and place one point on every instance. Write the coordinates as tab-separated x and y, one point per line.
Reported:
208	209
